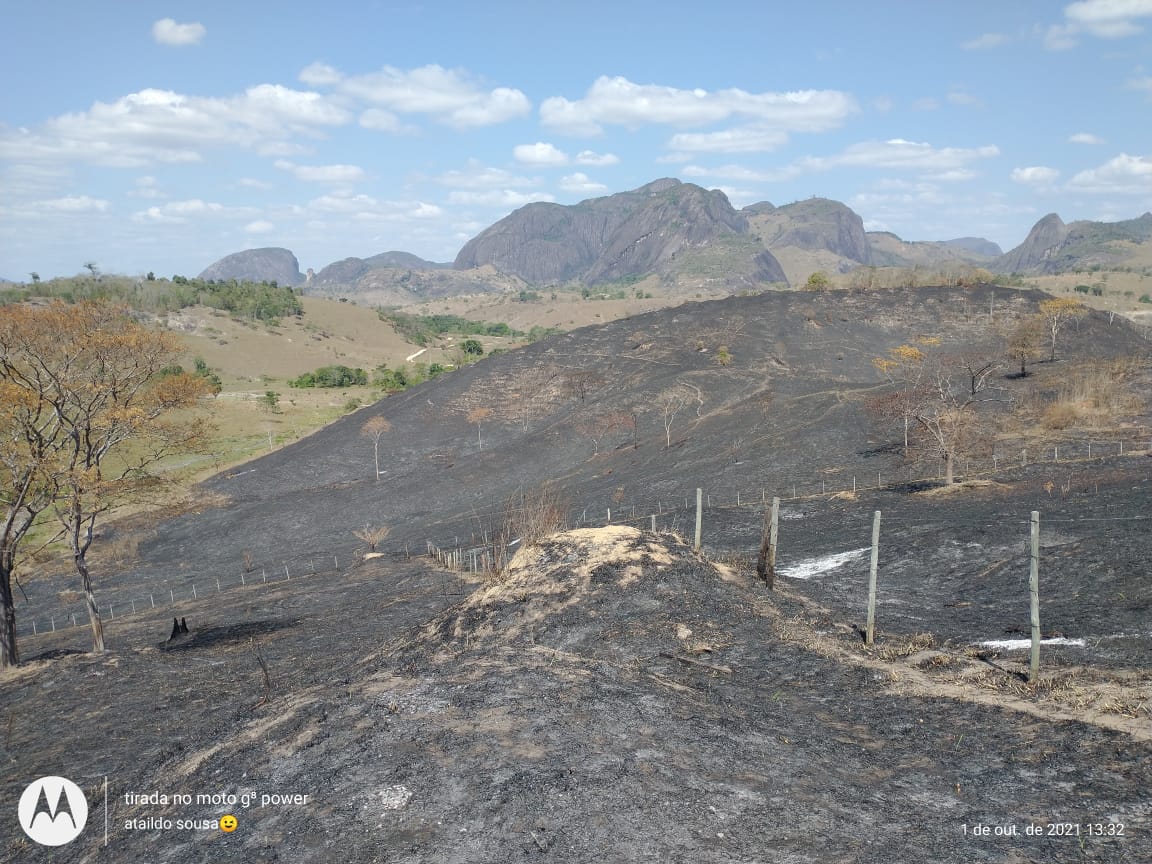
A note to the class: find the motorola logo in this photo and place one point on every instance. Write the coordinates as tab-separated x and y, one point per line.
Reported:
53	811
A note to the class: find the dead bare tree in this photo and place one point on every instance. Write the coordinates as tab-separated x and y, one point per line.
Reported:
670	406
674	400
937	394
478	416
607	426
373	536
580	383
374	429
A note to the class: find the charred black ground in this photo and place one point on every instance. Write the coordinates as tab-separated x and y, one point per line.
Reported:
615	696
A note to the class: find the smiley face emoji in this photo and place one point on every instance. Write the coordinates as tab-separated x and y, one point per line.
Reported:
228	823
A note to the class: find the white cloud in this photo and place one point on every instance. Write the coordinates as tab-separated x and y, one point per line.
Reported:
747	139
737	172
167	32
322	173
478	176
1144	83
1085	138
985	41
381	120
319	75
367	209
446	94
499	197
581	184
539	153
898	153
177	212
620	102
952	175
147	187
959	97
596	160
253	183
1108	19
926	104
161	126
74	204
344	203
1059	38
260	226
1035	175
1123	175
1105	19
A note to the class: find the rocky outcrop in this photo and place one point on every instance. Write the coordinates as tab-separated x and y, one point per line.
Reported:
1053	247
605	239
768	269
821	224
271	264
976	245
349	271
1041	244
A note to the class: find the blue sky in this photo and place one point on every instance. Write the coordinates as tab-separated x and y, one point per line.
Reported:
162	136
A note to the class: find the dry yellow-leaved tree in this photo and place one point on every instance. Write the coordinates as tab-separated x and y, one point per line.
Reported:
85	412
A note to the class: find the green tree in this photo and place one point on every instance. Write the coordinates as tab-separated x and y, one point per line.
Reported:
472	347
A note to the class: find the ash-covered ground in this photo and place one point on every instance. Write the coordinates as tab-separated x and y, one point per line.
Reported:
614	696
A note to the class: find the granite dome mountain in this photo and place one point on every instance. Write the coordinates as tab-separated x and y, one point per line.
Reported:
691	239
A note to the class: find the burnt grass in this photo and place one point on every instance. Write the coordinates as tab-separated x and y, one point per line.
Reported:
615	696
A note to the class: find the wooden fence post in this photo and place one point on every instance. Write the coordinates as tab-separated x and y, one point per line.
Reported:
870	633
1034	591
699	516
766	563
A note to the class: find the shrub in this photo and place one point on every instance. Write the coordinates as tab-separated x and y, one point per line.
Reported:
390	380
1061	415
1144	298
530	516
818	281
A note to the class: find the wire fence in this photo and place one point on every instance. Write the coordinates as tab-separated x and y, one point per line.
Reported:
73	611
476	550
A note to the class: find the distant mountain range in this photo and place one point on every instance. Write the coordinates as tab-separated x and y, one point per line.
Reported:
1054	247
688	237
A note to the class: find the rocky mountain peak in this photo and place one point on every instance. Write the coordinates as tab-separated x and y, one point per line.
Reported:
269	264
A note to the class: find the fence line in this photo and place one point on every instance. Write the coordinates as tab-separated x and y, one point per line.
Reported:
486	556
75	613
476	557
